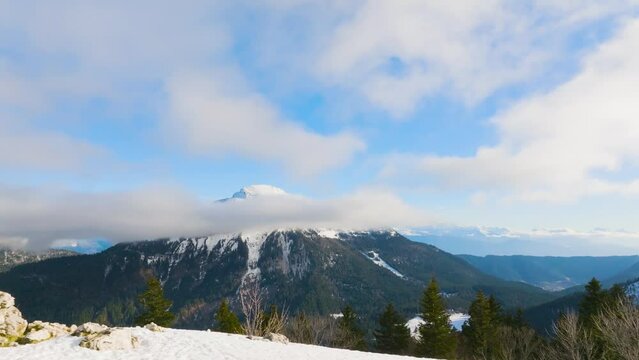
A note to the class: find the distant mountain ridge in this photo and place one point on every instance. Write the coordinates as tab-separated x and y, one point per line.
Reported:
317	271
11	257
556	273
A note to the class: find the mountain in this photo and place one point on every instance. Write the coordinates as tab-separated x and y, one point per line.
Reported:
555	273
627	274
10	258
317	271
542	316
252	191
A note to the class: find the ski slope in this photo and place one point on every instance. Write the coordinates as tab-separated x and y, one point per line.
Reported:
187	344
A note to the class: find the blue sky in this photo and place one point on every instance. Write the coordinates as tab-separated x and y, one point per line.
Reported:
467	114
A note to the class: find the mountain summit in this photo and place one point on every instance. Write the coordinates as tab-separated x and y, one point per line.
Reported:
252	191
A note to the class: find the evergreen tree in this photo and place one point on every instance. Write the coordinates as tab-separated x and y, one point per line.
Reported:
226	320
593	302
495	308
352	336
392	336
437	336
156	306
481	329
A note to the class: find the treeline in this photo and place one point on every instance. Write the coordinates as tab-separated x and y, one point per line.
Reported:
605	327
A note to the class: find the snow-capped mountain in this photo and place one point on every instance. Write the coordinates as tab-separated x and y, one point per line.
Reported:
252	191
317	271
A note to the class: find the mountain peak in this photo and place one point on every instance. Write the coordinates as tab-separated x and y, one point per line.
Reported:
252	191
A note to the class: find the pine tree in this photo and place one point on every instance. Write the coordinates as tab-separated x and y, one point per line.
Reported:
437	336
226	320
593	302
352	336
156	306
481	329
392	336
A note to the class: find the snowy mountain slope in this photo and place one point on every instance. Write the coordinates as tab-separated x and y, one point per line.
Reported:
188	345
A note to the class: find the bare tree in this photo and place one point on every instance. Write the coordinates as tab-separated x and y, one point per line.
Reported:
518	344
618	325
313	330
256	321
572	342
252	298
275	322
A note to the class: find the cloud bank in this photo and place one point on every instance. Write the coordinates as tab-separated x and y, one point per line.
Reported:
211	114
579	139
40	217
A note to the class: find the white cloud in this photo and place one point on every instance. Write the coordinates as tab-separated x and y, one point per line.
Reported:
24	148
212	114
538	242
45	215
570	142
397	53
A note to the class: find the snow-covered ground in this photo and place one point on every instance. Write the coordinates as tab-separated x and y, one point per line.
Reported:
456	319
186	344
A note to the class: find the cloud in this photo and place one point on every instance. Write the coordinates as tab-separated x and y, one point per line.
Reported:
538	242
24	148
210	114
397	53
45	215
579	139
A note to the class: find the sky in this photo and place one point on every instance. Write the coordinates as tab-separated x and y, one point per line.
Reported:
126	120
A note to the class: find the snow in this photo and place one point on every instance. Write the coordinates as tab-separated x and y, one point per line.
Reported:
329	234
254	243
251	191
456	319
632	290
374	257
186	344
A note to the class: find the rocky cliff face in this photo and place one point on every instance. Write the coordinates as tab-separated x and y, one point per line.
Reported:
317	271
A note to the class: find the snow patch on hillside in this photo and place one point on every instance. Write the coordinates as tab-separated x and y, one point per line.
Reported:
329	234
254	242
457	320
186	344
374	257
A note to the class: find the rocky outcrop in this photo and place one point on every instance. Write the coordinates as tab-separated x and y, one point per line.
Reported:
111	339
40	331
12	325
277	338
154	327
89	328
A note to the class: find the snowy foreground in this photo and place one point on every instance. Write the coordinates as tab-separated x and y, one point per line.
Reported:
186	344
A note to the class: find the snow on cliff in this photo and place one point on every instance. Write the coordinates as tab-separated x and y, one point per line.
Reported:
186	344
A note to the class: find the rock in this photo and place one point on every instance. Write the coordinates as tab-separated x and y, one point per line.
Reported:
153	327
12	325
89	328
38	335
6	300
277	338
111	339
39	331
